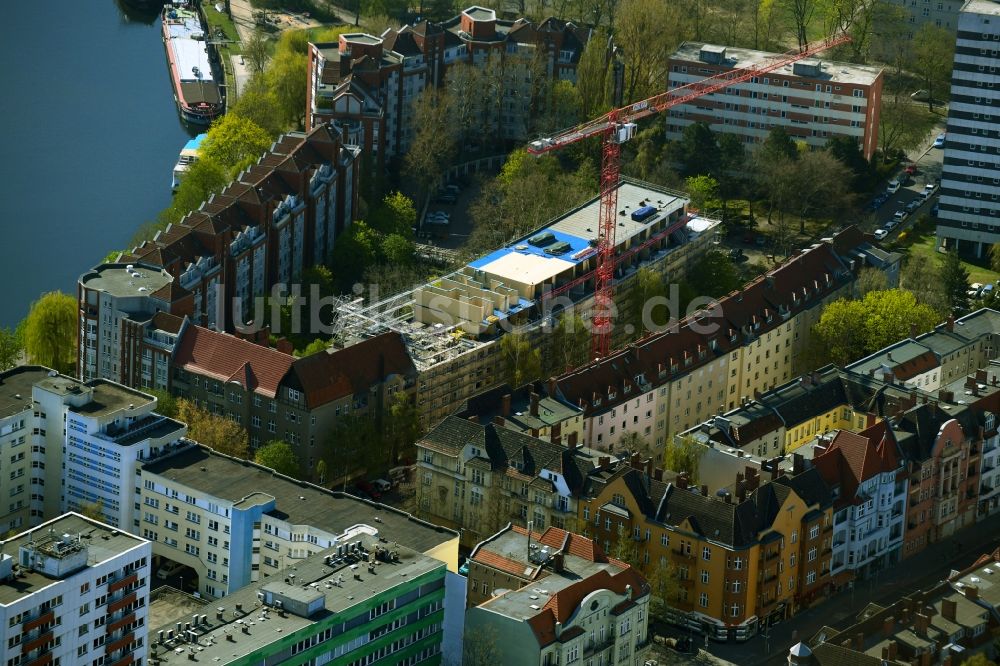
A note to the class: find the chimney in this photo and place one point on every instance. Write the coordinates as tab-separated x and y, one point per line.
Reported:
604	462
571	440
948	609
981	376
888	626
704	490
971	592
658	473
913	330
557	562
951	323
682	481
552	387
636	461
920	624
893	648
505	410
474	418
534	404
499	420
798	463
859	641
649	468
556	431
284	346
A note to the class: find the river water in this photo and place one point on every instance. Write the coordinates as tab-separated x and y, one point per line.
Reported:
92	135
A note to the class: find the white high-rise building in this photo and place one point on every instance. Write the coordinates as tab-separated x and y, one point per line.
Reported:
969	211
74	592
67	445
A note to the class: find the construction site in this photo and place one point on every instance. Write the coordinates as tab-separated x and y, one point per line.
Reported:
453	325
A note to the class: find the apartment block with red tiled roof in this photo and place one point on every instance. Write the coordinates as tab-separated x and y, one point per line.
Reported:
717	359
554	597
867	477
367	85
277	218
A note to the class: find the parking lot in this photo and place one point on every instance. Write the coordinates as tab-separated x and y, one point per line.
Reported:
456	233
924	170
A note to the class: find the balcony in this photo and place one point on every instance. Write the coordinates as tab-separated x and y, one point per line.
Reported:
124	582
121	603
118	624
41	660
595	647
680	552
36	642
44	618
771	555
119	644
124	661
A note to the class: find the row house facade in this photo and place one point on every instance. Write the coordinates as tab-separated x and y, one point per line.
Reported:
367	85
743	559
278	217
275	395
812	100
867	479
478	477
715	360
554	597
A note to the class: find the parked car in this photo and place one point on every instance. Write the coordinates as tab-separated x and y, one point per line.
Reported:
446	199
451	188
939	141
934	209
900	216
736	254
893	186
920	96
913	205
929	189
974	290
168	569
881	233
910	169
382	485
368	489
987	290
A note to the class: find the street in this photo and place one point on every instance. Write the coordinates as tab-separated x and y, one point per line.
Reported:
920	571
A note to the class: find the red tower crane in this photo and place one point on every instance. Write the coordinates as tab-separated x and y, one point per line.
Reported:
618	126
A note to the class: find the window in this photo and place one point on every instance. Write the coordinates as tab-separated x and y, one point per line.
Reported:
703	600
706	553
814	531
812	554
704	576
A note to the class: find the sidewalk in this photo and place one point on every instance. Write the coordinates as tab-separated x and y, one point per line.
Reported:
920	571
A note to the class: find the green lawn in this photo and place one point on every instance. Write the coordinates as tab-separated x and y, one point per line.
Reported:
921	240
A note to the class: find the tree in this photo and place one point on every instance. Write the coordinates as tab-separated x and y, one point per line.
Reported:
714	275
481	646
819	181
435	143
625	548
403	427
978	660
663	587
288	78
921	276
166	403
322	470
10	349
934	51
592	75
683	455
558	105
203	179
216	432
704	191
234	143
50	332
280	457
955	280
398	250
697	151
648	31
356	248
778	145
317	346
995	257
569	343
522	361
258	104
847	151
851	329
255	52
633	442
93	510
396	214
645	317
902	125
870	279
800	14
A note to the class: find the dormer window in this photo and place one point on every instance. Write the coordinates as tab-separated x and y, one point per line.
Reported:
612	395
